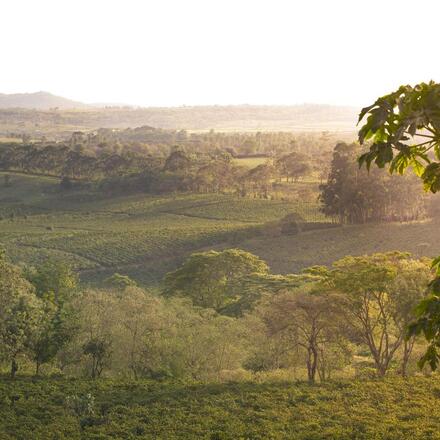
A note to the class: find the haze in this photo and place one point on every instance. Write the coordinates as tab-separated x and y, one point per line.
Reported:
171	52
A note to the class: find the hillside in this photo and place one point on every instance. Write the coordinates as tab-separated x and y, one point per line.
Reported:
145	236
37	100
393	409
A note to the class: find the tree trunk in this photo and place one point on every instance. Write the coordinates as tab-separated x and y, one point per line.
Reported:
381	369
407	349
312	361
14	368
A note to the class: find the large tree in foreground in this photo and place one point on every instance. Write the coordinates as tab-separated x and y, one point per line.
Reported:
376	294
404	130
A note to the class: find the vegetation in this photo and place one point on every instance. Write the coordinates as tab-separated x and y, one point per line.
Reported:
356	196
390	409
410	114
302	118
221	312
162	284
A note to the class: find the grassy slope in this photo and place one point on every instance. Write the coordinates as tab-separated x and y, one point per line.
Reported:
146	236
289	254
392	409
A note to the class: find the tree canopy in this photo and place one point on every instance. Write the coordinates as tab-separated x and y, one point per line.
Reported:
209	278
404	130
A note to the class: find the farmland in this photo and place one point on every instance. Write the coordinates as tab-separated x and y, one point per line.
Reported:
391	409
145	236
101	234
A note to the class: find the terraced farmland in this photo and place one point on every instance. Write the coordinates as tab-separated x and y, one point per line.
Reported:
101	235
146	236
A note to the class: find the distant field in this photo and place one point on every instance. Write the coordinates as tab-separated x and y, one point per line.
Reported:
10	139
391	409
249	118
250	162
145	236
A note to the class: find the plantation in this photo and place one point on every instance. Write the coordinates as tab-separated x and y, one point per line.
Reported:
146	236
99	233
234	266
61	409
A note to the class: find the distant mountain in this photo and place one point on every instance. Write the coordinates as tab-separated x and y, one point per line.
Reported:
38	100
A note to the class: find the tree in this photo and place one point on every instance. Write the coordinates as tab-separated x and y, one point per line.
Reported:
375	300
118	281
140	316
54	284
294	165
208	278
308	315
99	323
54	278
259	180
404	130
178	162
409	288
20	312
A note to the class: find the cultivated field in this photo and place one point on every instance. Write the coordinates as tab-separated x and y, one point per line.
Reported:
146	236
391	409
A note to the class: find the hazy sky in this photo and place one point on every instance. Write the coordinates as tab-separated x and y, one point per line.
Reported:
190	52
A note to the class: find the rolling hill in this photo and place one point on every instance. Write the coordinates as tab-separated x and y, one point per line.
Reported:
37	100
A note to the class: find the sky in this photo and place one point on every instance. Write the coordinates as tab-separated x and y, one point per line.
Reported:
203	52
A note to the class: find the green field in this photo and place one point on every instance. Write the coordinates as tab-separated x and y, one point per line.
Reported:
250	162
141	235
146	236
393	409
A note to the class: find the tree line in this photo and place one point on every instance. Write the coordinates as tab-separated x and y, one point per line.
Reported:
220	315
349	194
179	171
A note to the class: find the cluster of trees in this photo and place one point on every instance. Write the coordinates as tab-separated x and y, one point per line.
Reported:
156	140
179	171
355	195
350	194
75	163
219	173
220	313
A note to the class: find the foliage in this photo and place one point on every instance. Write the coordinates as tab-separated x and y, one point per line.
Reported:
209	278
20	311
119	281
309	321
391	409
356	196
377	301
410	113
404	127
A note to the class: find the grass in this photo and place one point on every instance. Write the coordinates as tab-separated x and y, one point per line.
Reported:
249	162
391	409
145	236
289	254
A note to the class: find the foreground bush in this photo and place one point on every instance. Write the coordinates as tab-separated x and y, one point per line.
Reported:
78	409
